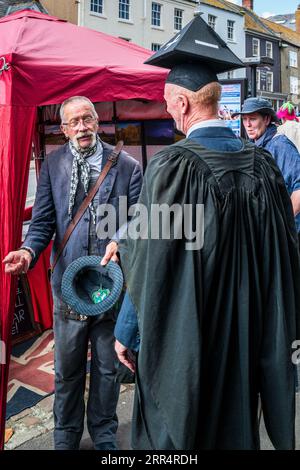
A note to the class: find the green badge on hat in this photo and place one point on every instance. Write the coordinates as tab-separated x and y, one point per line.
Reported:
99	295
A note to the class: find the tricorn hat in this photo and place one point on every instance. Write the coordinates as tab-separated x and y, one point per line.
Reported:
89	288
198	47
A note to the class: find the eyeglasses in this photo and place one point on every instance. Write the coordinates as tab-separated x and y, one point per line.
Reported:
75	122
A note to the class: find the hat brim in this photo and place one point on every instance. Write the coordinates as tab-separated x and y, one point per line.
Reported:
83	304
261	111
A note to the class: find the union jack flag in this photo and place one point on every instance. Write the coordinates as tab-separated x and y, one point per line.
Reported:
34	369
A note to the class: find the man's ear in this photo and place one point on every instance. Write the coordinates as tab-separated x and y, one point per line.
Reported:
62	128
184	103
268	119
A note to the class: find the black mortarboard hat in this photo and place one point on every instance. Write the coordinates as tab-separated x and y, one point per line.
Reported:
196	55
191	76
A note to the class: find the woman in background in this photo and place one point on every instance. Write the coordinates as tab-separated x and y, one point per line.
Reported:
290	126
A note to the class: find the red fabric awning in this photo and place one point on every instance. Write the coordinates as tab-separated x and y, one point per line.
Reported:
16	133
51	59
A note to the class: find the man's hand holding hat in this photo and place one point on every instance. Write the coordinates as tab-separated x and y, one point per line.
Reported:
110	253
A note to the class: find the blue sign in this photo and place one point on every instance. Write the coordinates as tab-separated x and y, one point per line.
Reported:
231	103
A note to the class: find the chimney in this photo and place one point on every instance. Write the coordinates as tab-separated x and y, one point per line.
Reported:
248	4
297	18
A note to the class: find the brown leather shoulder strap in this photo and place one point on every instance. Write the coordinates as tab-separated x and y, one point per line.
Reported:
111	160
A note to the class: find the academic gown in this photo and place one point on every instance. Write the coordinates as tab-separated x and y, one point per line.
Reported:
216	324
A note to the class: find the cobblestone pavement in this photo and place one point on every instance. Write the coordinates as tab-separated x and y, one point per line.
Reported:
33	427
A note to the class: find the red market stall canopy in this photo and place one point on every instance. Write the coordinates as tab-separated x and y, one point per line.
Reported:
49	59
44	60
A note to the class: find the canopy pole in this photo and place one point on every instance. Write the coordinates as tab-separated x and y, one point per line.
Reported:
144	146
40	152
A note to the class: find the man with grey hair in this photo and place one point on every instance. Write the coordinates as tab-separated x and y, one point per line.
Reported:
66	177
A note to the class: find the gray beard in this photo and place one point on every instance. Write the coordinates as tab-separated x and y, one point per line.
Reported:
87	149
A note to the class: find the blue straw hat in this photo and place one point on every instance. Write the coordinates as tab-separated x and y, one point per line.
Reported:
257	105
86	281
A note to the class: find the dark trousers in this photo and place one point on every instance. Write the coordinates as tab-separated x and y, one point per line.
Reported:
71	345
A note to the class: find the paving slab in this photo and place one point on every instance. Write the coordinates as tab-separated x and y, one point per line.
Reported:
36	433
39	436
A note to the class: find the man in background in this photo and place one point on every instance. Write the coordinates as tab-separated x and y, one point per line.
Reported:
290	126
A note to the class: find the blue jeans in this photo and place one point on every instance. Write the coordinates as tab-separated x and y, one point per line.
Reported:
71	346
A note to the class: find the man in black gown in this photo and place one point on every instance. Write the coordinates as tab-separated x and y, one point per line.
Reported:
216	323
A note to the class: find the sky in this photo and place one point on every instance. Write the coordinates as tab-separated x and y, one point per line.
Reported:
272	7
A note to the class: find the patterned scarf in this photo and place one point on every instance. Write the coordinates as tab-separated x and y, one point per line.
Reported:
80	163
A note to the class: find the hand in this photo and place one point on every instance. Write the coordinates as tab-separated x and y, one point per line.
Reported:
110	253
124	356
295	198
17	262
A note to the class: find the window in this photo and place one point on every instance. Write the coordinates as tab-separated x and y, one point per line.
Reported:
155	46
269	81
124	9
293	59
255	47
269	49
294	85
155	14
257	79
212	21
97	6
230	30
178	14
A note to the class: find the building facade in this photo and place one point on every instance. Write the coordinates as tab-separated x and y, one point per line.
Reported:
228	22
145	22
290	61
261	40
11	6
64	9
152	23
